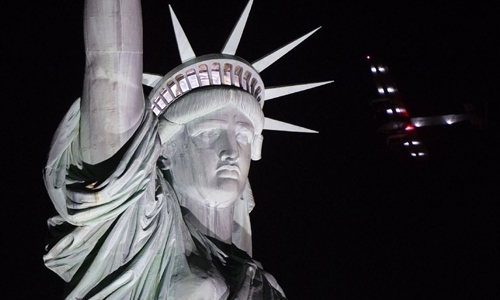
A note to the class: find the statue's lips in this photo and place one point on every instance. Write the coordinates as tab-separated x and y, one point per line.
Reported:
229	171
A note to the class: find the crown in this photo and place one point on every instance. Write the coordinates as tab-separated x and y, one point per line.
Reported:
223	69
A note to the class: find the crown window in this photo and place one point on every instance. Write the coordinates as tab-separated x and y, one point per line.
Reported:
246	78
192	78
237	76
253	82
216	73
166	95
173	87
227	74
182	83
161	103
155	109
258	90
203	73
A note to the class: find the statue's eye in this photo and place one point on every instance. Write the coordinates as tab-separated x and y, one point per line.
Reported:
244	136
209	134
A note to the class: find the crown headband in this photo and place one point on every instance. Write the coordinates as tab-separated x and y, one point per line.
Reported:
207	70
222	69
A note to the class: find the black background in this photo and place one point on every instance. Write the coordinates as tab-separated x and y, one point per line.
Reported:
338	215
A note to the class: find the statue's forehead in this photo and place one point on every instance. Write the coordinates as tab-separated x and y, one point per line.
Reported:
224	115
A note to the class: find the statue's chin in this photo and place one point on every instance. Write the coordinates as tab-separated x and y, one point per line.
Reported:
221	195
221	198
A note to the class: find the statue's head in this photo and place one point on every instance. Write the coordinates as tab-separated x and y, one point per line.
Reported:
209	137
210	110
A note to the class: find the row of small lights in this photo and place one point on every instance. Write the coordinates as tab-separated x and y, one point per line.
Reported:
398	110
414	143
417	154
390	90
381	70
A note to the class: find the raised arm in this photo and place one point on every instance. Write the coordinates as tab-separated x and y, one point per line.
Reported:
112	101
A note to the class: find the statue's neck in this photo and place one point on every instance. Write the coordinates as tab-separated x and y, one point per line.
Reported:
216	222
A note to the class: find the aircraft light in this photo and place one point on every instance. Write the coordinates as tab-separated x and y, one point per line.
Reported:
381	69
390	90
413	154
389	111
415	142
409	127
380	91
374	70
406	144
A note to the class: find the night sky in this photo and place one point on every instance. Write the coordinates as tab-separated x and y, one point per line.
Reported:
339	215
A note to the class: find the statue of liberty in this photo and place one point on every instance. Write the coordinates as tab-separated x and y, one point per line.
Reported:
152	194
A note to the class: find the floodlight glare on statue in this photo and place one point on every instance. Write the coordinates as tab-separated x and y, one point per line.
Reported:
222	69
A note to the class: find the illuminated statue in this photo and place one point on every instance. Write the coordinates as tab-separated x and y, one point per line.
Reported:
153	197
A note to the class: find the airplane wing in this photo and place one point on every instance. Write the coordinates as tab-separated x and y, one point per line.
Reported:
439	120
393	118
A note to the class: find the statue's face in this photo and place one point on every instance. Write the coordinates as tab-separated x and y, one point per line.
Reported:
212	157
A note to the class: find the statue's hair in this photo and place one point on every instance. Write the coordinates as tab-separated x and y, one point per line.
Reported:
203	101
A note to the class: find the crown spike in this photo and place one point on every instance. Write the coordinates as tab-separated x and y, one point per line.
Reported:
234	39
151	79
271	124
185	51
269	59
276	92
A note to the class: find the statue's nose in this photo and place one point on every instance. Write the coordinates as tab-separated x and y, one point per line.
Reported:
229	147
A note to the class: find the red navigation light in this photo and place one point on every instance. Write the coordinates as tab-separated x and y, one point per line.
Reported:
402	111
409	127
